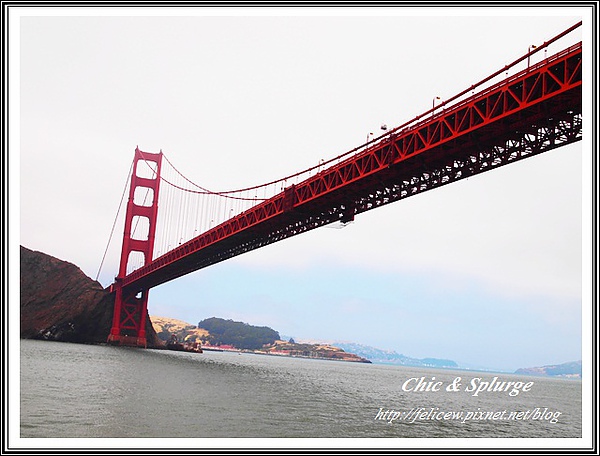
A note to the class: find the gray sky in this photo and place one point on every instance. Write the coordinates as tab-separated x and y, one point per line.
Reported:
486	271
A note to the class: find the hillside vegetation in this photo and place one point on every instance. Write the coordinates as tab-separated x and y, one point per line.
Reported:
238	334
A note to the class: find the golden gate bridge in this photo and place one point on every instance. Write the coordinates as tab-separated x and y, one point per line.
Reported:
174	226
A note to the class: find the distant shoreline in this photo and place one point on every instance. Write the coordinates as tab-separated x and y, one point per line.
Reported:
283	355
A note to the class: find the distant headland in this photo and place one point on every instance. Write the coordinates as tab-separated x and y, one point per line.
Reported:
567	370
219	334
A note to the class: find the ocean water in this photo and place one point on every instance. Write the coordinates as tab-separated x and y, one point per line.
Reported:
72	390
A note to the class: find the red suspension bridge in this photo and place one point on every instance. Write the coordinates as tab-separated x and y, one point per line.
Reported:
509	118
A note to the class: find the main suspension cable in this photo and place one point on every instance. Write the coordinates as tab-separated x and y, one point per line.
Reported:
115	221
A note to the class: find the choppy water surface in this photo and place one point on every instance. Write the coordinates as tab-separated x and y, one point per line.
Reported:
71	390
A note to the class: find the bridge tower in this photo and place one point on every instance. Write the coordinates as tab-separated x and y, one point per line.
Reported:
129	317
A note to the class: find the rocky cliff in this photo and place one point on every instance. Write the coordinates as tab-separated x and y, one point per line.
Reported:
59	302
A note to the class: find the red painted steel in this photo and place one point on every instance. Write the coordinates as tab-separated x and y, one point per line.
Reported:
531	112
129	317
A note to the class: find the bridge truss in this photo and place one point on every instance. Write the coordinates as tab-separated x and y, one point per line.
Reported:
534	111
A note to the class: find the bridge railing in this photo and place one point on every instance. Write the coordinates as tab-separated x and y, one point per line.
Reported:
457	102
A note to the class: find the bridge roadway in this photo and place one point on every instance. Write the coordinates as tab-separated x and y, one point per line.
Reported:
531	112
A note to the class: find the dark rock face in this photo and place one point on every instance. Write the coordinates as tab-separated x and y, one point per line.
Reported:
59	302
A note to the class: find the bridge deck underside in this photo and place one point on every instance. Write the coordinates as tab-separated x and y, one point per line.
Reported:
467	139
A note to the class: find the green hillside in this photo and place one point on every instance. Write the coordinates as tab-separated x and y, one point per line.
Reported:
240	335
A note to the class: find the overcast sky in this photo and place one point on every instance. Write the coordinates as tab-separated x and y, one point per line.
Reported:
486	271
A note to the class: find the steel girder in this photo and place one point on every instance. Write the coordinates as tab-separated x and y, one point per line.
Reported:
534	111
